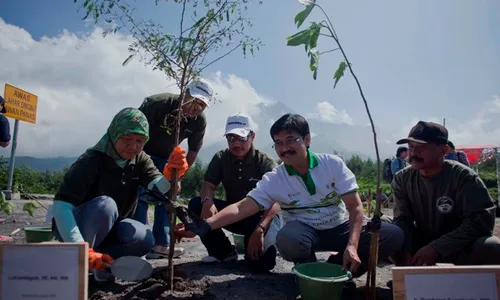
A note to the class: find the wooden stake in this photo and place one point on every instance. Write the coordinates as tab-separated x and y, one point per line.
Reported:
372	264
369	273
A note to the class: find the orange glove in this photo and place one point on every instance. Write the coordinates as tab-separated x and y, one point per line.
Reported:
177	160
97	260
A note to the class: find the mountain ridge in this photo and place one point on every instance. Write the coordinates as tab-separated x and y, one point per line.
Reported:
327	137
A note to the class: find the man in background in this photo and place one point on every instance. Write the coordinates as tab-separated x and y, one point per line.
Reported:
459	156
399	163
238	168
161	111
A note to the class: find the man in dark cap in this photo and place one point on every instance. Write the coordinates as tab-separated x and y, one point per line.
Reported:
442	206
4	125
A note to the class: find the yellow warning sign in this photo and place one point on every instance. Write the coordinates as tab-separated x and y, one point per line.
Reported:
20	104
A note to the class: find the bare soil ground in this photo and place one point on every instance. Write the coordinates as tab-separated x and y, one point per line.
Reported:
193	280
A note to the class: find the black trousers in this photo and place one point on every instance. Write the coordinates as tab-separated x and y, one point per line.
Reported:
219	246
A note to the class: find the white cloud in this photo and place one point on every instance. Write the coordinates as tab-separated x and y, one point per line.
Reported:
481	128
328	113
81	85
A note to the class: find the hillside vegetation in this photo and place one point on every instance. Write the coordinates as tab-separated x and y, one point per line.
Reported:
28	180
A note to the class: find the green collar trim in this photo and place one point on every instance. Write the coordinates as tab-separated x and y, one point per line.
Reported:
307	179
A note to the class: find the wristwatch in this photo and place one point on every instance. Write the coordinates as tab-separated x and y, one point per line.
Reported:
205	199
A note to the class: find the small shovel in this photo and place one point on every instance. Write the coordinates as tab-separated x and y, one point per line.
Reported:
130	268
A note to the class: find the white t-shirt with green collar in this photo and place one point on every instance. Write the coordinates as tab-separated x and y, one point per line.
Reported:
314	199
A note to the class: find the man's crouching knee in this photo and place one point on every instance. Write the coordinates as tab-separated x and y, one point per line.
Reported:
291	247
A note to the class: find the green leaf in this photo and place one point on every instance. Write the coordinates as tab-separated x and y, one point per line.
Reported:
314	62
30	207
315	30
339	73
301	16
198	23
301	37
7	207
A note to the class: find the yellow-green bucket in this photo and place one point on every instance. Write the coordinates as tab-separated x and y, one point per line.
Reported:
320	280
38	234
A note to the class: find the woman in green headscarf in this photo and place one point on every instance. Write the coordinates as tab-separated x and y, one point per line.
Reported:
98	194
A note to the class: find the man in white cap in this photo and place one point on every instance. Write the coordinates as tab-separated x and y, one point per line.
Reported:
161	112
239	168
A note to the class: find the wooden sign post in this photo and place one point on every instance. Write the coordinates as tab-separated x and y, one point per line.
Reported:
446	282
56	271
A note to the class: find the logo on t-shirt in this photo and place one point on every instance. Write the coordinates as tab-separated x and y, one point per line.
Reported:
445	204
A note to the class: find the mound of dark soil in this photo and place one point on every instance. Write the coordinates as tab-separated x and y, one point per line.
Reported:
156	287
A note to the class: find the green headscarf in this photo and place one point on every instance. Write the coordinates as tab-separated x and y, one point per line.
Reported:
128	120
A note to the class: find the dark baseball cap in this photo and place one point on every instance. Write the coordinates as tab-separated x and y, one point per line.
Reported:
2	101
426	132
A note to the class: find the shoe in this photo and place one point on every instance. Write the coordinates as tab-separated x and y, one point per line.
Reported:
266	262
233	256
350	285
103	276
160	252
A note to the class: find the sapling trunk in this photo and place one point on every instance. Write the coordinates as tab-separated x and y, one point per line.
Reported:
174	191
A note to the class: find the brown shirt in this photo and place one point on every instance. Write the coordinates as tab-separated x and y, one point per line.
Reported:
452	210
96	174
238	177
161	111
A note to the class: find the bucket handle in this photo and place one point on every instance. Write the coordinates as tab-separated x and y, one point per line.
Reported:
324	279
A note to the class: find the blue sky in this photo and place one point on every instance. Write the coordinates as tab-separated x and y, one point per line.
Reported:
415	59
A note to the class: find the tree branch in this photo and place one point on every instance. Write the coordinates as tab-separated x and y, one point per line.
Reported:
328	51
220	57
134	24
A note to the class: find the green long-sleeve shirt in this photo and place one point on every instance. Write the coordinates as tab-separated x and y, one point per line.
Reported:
452	209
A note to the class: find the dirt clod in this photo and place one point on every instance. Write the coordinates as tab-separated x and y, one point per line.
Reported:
157	287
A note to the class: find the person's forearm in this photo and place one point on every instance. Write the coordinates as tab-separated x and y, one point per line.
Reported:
269	215
191	157
207	190
355	225
233	213
161	183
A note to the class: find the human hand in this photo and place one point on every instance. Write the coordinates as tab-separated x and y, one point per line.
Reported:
180	232
426	256
351	259
192	222
177	160
255	247
208	209
98	261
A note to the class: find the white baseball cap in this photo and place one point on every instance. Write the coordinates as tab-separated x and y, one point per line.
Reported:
239	125
201	89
